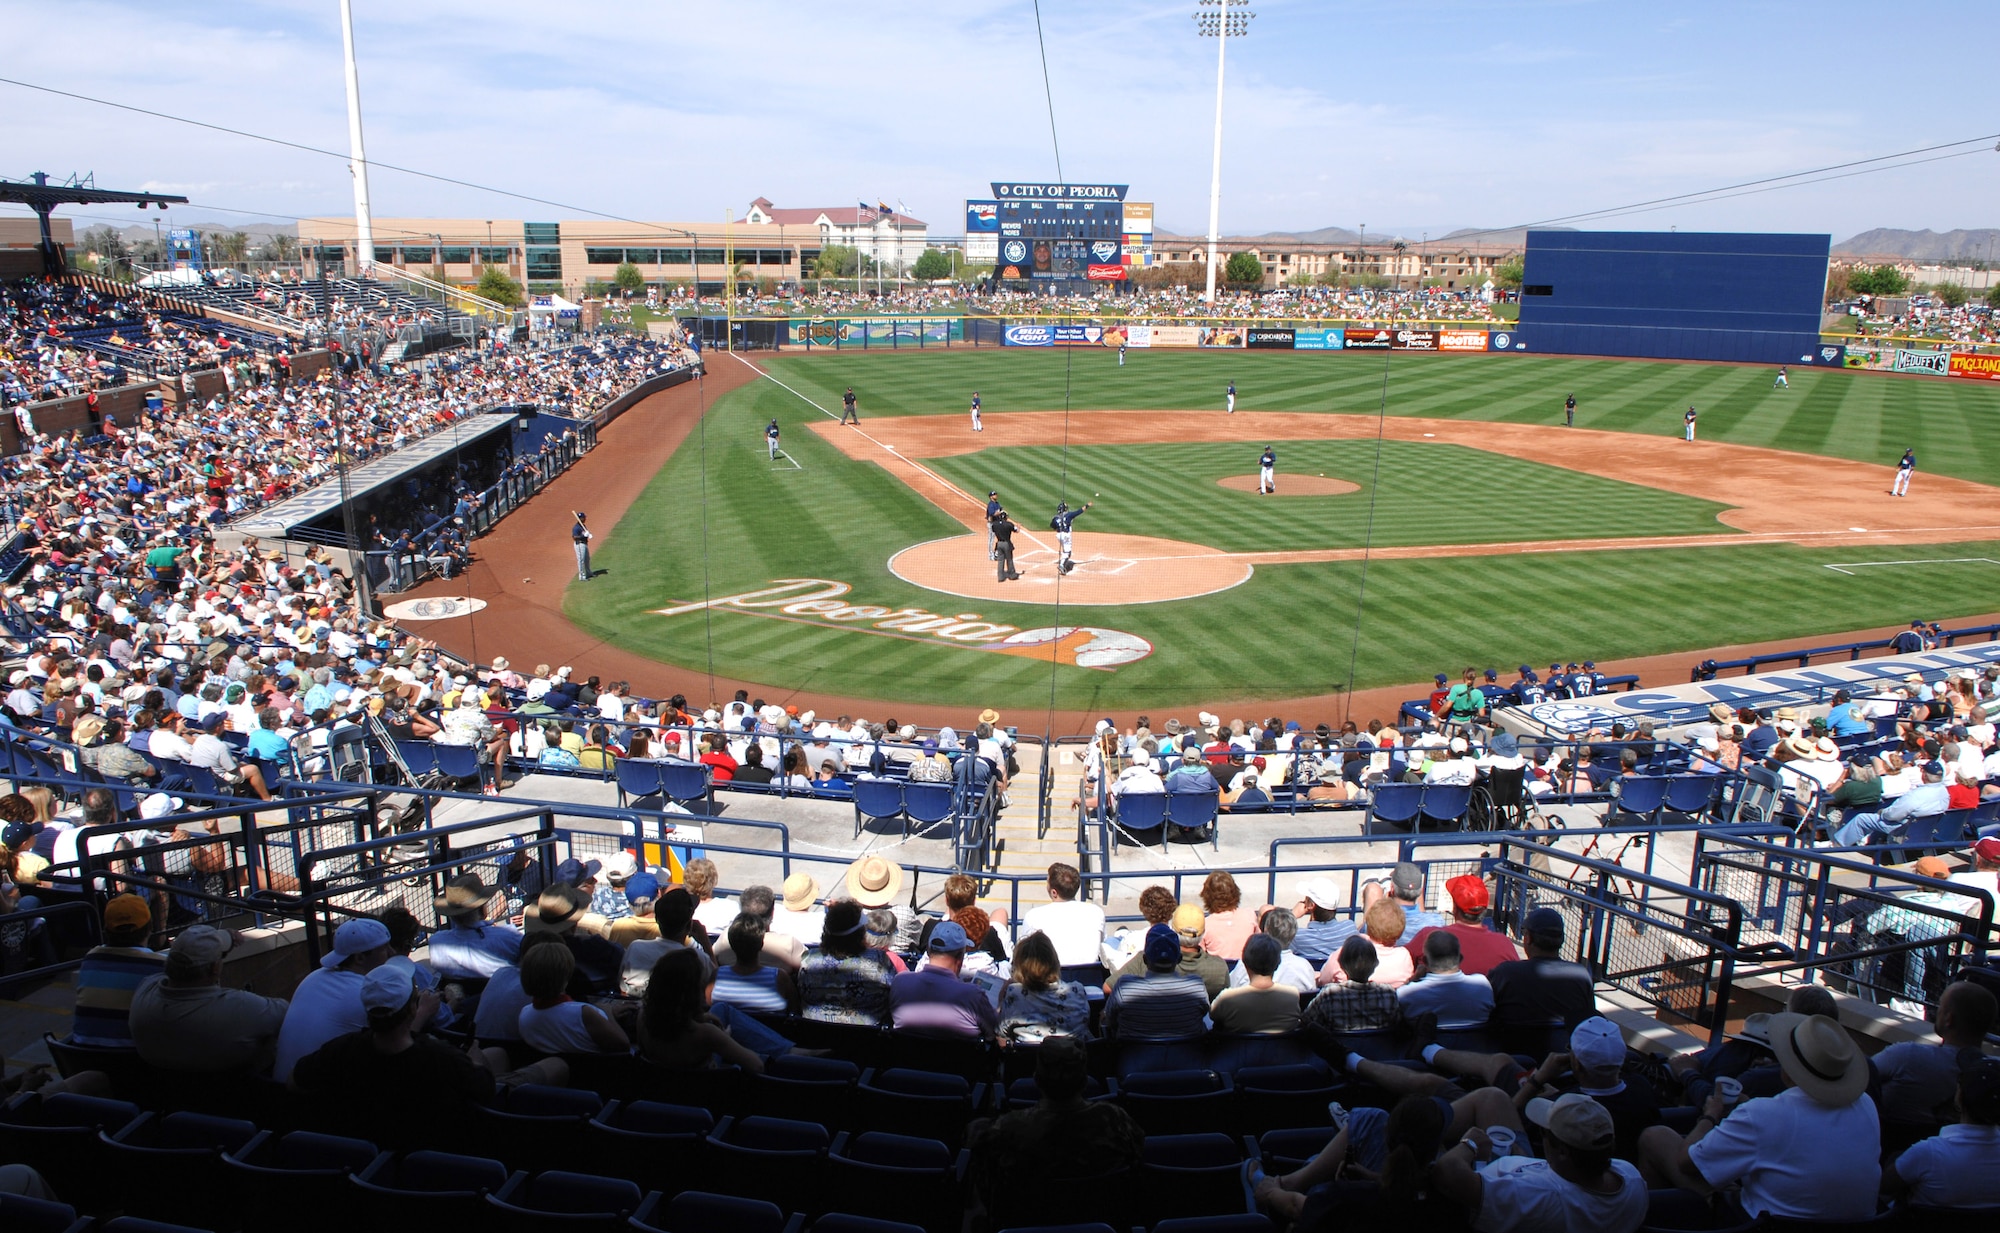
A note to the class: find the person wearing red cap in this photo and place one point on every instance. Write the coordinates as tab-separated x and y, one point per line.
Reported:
1985	872
1480	949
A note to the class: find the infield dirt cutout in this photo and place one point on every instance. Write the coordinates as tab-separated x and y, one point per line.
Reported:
1774	496
1292	485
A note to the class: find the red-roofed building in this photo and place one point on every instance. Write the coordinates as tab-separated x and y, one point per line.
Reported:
887	237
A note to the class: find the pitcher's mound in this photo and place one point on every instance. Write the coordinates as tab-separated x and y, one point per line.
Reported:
1293	485
1110	569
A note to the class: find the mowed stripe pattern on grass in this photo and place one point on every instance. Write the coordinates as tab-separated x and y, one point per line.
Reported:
1870	417
1288	631
1426	494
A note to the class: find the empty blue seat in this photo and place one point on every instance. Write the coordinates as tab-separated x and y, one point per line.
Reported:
695	1211
927	804
877	798
1398	804
562	1200
422	1187
21	1214
1141	812
1195	811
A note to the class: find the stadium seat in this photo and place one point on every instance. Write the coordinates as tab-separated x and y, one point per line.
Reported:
642	1139
170	1166
123	1066
875	799
1397	804
137	1224
419	756
1239	1222
1759	793
1172	1102
813	1089
684	783
560	1200
1188	1173
1286	1151
1444	806
782	1159
21	1214
1095	1227
536	1127
1141	812
458	762
1639	796
896	1176
1691	796
927	804
1284	1095
1925	836
428	1188
61	1134
637	779
296	1181
1195	811
923	1103
976	1061
695	1211
841	1222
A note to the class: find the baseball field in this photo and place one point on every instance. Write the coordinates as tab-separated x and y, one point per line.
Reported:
1431	511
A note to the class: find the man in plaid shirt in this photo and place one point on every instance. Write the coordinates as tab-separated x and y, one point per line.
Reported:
1355	1005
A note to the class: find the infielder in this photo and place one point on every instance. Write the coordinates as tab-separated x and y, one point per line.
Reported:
1065	519
1688	419
976	426
771	439
848	415
1267	472
992	512
1904	470
1569	411
579	538
1230	398
1784	382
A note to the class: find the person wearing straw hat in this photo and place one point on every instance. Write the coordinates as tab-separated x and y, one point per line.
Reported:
799	914
877	882
467	946
1812	1152
1579	1184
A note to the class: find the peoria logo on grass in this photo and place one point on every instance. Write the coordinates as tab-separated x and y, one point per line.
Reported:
820	601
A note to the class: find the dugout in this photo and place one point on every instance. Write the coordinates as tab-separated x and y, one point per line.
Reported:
1743	296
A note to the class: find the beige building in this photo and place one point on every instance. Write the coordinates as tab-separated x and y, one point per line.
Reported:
1454	265
767	242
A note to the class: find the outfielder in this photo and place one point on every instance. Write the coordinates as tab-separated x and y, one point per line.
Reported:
1121	355
1569	411
579	538
1267	472
1904	470
1065	519
1230	398
1784	382
771	439
976	426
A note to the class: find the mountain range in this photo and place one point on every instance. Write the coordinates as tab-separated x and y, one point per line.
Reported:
1981	243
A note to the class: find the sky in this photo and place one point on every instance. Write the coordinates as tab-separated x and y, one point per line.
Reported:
1413	118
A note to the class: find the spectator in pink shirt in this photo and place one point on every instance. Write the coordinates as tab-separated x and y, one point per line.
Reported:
1229	924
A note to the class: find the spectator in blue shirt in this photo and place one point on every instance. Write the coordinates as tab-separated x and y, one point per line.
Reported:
1927	799
1192	775
1846	719
1321	928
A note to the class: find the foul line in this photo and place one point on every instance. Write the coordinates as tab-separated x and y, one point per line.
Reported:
890	450
1848	567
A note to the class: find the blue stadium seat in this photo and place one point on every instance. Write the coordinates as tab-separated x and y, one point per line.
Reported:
841	1222
895	1176
922	1103
641	1138
1294	1095
686	782
303	1174
1140	812
1398	804
170	1166
559	1200
136	1224
61	1134
782	1159
1444	806
877	798
537	1127
1925	836
21	1214
1201	1172
1169	1102
637	779
695	1211
1195	811
927	804
458	762
1240	1222
428	1188
1285	1151
810	1089
1691	796
1639	796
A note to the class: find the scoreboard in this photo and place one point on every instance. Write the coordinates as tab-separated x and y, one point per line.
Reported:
1060	231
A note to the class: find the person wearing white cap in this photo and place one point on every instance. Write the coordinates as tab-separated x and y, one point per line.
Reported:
401	1088
1579	1185
327	1002
1812	1152
1456	768
1321	927
1593	1067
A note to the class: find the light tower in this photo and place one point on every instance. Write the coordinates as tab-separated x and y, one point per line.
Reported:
364	228
1221	20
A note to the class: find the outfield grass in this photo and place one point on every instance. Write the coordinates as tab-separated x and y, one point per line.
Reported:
719	519
1427	493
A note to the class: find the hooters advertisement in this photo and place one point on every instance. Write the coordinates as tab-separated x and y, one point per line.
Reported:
1978	367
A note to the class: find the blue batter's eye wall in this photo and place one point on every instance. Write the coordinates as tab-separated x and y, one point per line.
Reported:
1674	295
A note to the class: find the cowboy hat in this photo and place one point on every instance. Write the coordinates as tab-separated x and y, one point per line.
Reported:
1722	713
464	895
1801	747
557	911
989	716
800	891
1819	1058
874	882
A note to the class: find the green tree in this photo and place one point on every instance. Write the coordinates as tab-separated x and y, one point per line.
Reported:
1951	295
1243	268
628	279
1882	280
226	247
840	261
1993	296
497	287
279	248
1508	273
931	264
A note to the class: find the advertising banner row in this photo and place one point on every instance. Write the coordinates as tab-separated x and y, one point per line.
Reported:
862	331
1920	361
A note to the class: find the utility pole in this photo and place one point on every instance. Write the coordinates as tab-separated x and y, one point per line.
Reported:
357	552
1220	20
364	234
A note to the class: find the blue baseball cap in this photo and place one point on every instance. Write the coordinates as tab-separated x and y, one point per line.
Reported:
1163	946
948	938
1526	670
574	872
1442	678
641	886
1492	674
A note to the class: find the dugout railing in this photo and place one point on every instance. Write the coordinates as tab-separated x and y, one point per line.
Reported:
1709	669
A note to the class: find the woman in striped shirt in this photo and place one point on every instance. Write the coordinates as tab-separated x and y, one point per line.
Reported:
750	982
